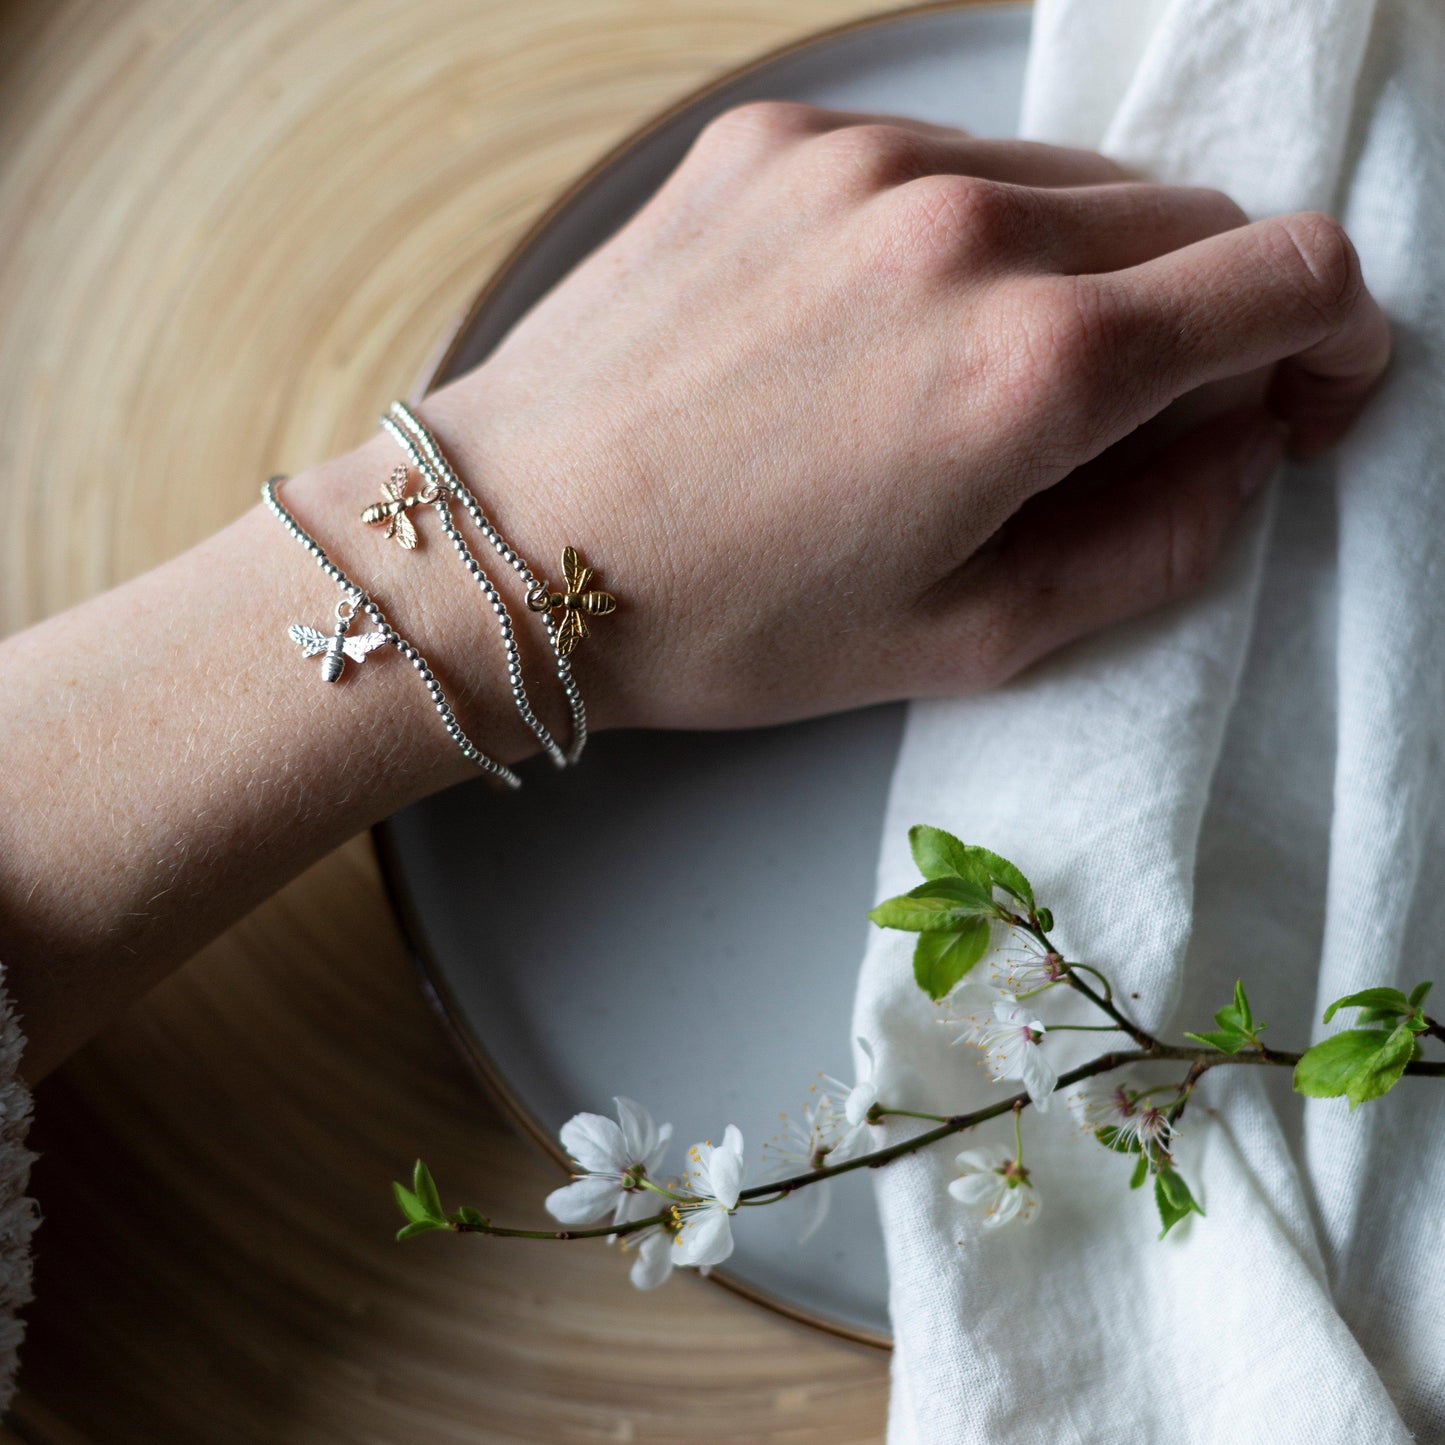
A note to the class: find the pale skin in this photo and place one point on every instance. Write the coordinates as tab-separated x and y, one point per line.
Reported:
855	409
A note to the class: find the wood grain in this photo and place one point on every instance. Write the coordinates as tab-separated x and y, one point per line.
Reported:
229	233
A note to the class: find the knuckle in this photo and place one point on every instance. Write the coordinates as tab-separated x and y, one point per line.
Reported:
1324	262
769	122
949	218
1068	367
1067	335
871	157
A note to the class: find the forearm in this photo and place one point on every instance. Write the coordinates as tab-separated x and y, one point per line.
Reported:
171	759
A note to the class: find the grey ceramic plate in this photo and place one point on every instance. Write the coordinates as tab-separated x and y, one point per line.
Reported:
704	964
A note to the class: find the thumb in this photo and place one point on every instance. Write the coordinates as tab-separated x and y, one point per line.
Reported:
1090	552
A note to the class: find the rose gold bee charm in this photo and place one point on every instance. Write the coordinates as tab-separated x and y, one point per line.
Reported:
394	509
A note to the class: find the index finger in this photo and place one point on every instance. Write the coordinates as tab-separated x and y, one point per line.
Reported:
1286	290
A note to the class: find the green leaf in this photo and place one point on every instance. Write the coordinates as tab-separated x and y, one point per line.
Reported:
913	915
1141	1172
1237	1015
467	1215
425	1189
941	855
946	904
408	1203
1172	1196
941	959
962	892
1046	920
1376	1016
1236	1024
1327	1070
1382	1072
1241	1007
1418	993
1383	1001
422	1226
1002	872
1227	1041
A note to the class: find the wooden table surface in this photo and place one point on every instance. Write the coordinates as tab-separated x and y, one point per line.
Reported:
229	234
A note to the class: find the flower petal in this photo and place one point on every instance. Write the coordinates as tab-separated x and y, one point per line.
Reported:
699	1180
861	1098
851	1143
596	1143
982	1160
654	1261
706	1237
974	1188
585	1201
1004	1208
653	1160
725	1171
1038	1075
816	1199
639	1133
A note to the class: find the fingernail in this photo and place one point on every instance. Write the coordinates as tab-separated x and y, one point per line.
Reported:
1265	451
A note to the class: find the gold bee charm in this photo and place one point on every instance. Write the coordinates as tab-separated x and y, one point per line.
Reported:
575	601
394	509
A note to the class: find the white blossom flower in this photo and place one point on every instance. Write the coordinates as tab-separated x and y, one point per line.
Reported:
1150	1125
1100	1105
993	1184
822	1135
833	1128
1009	1036
1124	1110
613	1158
1024	967
704	1236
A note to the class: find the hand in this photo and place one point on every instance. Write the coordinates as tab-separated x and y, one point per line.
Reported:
835	415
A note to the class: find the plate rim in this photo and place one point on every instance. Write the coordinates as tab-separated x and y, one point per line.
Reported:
435	989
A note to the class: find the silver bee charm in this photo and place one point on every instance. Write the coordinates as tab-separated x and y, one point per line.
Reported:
338	646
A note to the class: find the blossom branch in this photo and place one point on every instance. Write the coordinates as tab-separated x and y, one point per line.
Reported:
1200	1061
967	893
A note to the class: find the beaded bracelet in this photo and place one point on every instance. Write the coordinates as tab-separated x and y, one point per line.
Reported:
421	447
438	493
339	646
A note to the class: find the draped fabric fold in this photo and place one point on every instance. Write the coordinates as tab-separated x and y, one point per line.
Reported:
1248	784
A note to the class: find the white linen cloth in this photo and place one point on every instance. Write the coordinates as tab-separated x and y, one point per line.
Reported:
1248	784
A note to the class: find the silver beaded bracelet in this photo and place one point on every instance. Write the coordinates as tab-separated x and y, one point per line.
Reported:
338	646
421	448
